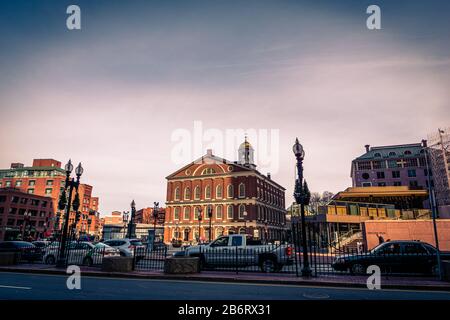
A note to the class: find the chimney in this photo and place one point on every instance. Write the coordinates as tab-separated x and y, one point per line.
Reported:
209	152
367	147
424	143
268	175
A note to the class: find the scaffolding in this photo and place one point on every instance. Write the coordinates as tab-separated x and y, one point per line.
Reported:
439	153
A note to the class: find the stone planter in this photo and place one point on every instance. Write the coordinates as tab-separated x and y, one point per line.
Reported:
117	264
182	265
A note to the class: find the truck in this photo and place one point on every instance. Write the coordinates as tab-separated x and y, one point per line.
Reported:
239	250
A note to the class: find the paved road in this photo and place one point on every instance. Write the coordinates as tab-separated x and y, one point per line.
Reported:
44	287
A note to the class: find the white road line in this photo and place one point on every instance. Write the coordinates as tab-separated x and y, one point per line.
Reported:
14	287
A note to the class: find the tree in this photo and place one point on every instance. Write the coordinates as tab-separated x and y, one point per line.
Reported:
326	197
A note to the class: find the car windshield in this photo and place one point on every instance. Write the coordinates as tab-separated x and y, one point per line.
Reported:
24	244
102	245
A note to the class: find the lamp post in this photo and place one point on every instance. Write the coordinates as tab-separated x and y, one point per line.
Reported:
199	222
302	197
155	216
125	215
131	232
266	231
245	221
65	202
210	222
89	221
26	219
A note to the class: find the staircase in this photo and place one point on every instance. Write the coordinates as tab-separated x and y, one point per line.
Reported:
348	242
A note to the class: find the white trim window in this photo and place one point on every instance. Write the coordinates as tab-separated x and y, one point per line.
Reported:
219	212
208	192
187	213
230	212
187	193
241	211
176	213
241	190
219	192
197	193
177	193
230	191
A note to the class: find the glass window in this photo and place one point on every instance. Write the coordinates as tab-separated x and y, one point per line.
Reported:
48	191
49	182
176	214
415	248
187	193
219	191
236	241
230	191
197	192
241	211
187	213
219	212
380	174
230	212
208	192
411	173
177	193
241	190
395	174
220	242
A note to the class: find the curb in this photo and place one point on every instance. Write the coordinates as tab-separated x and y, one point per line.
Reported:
230	279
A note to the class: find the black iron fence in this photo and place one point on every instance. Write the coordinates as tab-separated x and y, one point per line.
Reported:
149	258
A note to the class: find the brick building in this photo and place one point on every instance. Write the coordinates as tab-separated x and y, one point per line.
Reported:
14	205
242	199
46	178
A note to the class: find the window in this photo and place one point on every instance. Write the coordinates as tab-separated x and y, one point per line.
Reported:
393	164
8	184
411	173
364	165
414	248
220	242
393	248
187	213
15	199
413	183
380	175
49	182
219	191
241	211
23	201
230	212
208	171
31	183
208	192
236	241
365	176
407	152
377	155
176	214
48	191
219	212
392	154
230	191
382	184
366	184
397	183
18	183
196	213
395	174
187	193
241	190
2	198
197	192
177	193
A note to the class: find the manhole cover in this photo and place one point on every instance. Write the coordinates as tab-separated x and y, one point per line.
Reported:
316	295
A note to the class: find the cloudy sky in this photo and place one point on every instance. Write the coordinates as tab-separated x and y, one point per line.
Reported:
113	94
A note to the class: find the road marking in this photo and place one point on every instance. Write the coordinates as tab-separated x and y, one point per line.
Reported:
14	287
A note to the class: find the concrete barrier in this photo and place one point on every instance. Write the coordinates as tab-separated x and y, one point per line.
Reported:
117	264
7	258
182	265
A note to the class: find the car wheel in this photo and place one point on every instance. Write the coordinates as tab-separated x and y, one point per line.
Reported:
357	269
88	261
268	265
50	260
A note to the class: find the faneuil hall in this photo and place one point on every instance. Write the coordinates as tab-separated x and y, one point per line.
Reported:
231	196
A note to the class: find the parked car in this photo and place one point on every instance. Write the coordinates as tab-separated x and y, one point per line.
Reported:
393	257
241	250
41	243
82	253
24	250
128	247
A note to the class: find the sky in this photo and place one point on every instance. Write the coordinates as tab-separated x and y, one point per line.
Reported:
117	94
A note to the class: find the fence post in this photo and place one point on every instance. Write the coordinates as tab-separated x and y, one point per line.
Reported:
134	260
236	261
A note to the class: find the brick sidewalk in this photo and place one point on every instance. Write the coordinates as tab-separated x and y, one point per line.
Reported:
387	282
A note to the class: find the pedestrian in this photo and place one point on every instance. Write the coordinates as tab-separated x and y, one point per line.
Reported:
380	238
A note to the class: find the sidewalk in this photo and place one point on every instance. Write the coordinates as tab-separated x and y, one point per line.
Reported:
339	281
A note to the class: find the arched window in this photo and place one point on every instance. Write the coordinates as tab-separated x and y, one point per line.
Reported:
197	192
219	212
241	190
176	214
230	191
407	152
208	192
219	191
187	193
187	213
377	155
177	193
230	212
392	154
241	211
196	213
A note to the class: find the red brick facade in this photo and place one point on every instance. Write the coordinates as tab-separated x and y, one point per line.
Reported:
230	189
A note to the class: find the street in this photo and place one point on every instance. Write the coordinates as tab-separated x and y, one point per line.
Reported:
53	287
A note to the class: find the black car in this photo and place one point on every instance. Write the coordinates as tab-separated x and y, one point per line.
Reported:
25	251
393	257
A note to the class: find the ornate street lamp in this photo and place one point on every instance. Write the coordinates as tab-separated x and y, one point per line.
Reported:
199	222
125	215
210	213
65	202
26	220
131	231
302	197
245	221
155	216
